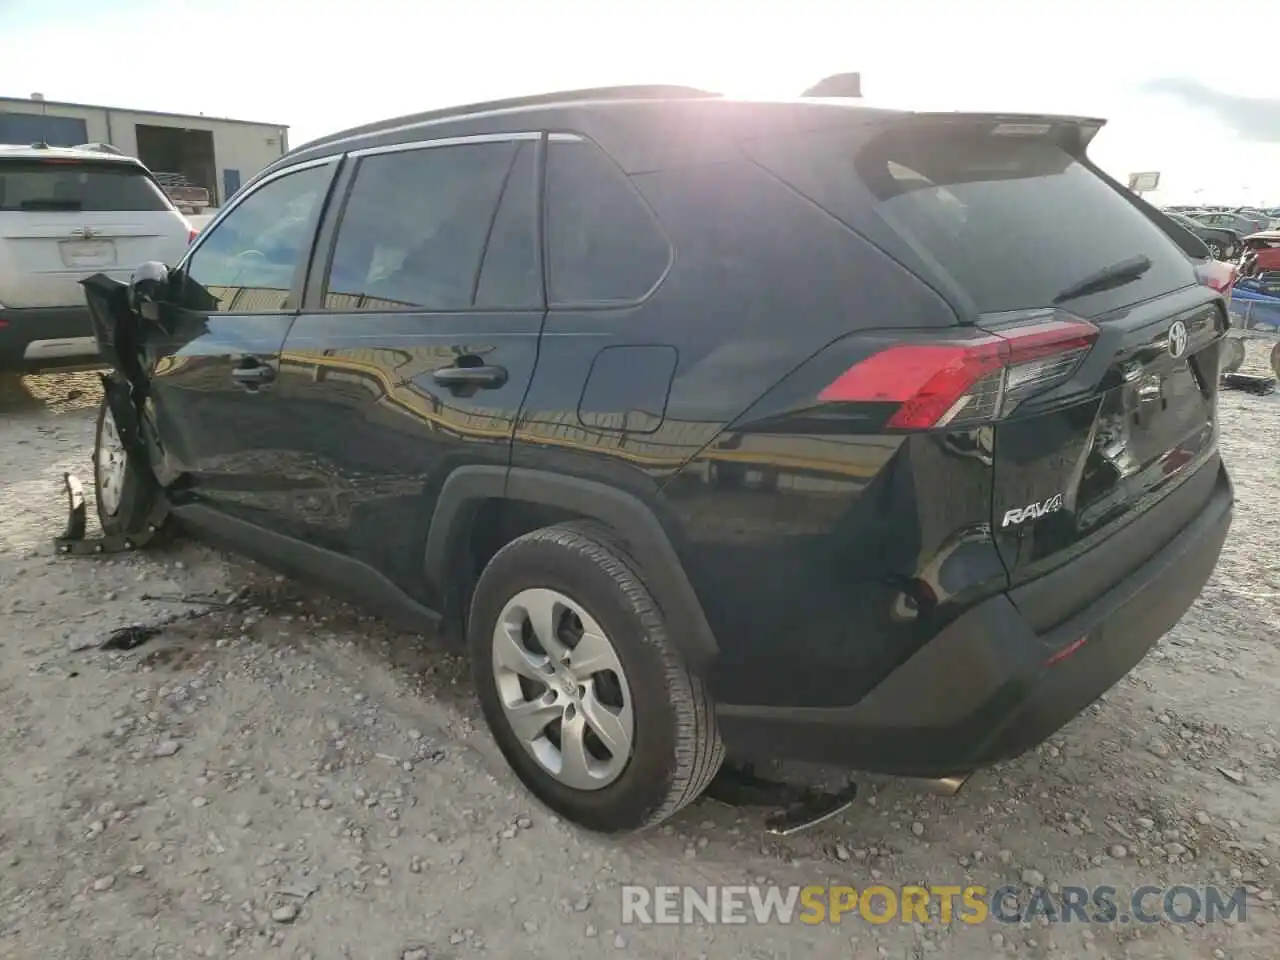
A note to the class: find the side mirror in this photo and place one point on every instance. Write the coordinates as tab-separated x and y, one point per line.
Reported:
148	288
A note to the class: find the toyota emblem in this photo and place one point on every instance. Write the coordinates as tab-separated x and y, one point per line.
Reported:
1177	339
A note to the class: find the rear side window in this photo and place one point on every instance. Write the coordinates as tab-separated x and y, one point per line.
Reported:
53	185
1012	222
414	228
603	243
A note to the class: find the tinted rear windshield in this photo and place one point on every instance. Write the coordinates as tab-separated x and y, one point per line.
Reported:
1010	221
61	185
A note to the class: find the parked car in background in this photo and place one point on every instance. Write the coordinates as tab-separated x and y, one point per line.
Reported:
1240	223
65	214
1223	244
1261	253
1264	220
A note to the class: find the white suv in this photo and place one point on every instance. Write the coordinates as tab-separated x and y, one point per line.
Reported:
66	214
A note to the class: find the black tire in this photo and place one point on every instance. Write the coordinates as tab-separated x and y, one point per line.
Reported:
1215	249
677	748
138	493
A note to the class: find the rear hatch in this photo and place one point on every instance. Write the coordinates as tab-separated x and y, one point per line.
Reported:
63	219
1099	375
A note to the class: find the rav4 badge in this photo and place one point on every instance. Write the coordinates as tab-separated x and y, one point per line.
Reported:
1032	511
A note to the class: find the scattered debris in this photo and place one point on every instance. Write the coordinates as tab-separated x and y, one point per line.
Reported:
129	638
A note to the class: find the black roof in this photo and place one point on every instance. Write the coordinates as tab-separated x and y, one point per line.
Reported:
642	127
634	92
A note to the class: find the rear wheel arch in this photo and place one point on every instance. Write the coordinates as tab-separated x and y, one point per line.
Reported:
539	498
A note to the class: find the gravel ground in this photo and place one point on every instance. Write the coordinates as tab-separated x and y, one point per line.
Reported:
285	776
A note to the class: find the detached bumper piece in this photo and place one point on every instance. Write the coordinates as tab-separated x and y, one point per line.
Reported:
73	541
799	807
1250	383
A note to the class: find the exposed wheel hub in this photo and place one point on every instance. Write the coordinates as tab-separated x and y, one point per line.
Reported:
111	465
563	688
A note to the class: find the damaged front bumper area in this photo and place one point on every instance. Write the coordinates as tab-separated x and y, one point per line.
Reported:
118	332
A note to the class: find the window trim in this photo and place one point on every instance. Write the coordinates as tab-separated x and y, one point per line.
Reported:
297	284
327	234
586	306
245	193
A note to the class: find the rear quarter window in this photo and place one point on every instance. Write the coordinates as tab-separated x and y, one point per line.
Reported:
603	243
1011	222
57	185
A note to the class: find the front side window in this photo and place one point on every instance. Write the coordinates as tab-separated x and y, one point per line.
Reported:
247	262
603	243
415	226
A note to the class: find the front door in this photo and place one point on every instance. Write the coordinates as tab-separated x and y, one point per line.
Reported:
417	341
213	390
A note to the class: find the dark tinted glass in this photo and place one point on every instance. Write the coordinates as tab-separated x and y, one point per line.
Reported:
52	185
1012	221
510	277
603	243
247	262
414	228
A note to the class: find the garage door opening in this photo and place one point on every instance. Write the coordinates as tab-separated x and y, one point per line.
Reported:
181	159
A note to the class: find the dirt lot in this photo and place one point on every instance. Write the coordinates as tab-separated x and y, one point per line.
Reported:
286	777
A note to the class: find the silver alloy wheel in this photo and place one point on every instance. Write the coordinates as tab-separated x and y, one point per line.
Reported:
563	688
111	465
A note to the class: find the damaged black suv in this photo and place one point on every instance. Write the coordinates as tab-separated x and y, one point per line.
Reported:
793	429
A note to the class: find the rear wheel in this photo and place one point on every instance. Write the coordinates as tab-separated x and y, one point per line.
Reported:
125	491
1215	249
581	685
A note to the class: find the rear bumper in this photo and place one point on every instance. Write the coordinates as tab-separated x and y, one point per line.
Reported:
44	338
987	687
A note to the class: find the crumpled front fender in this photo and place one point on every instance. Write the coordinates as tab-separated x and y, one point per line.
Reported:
116	328
120	334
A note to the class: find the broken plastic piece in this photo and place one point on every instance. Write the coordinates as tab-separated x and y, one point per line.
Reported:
128	638
1250	383
801	807
74	542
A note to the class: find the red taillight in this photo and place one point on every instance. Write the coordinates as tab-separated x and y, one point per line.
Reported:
965	381
1217	275
191	236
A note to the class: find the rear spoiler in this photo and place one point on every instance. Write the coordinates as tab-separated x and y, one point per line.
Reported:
1074	134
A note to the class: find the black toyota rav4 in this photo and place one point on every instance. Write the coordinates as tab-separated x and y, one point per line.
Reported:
789	429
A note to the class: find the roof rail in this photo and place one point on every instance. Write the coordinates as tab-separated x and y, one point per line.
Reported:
625	92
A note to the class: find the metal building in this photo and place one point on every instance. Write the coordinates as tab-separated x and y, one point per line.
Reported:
216	154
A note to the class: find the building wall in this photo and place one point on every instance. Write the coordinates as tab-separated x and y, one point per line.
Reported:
246	147
95	121
236	146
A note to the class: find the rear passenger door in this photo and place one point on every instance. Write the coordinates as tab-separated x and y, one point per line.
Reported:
606	363
416	342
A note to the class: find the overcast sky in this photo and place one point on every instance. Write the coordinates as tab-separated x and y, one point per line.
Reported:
1182	96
